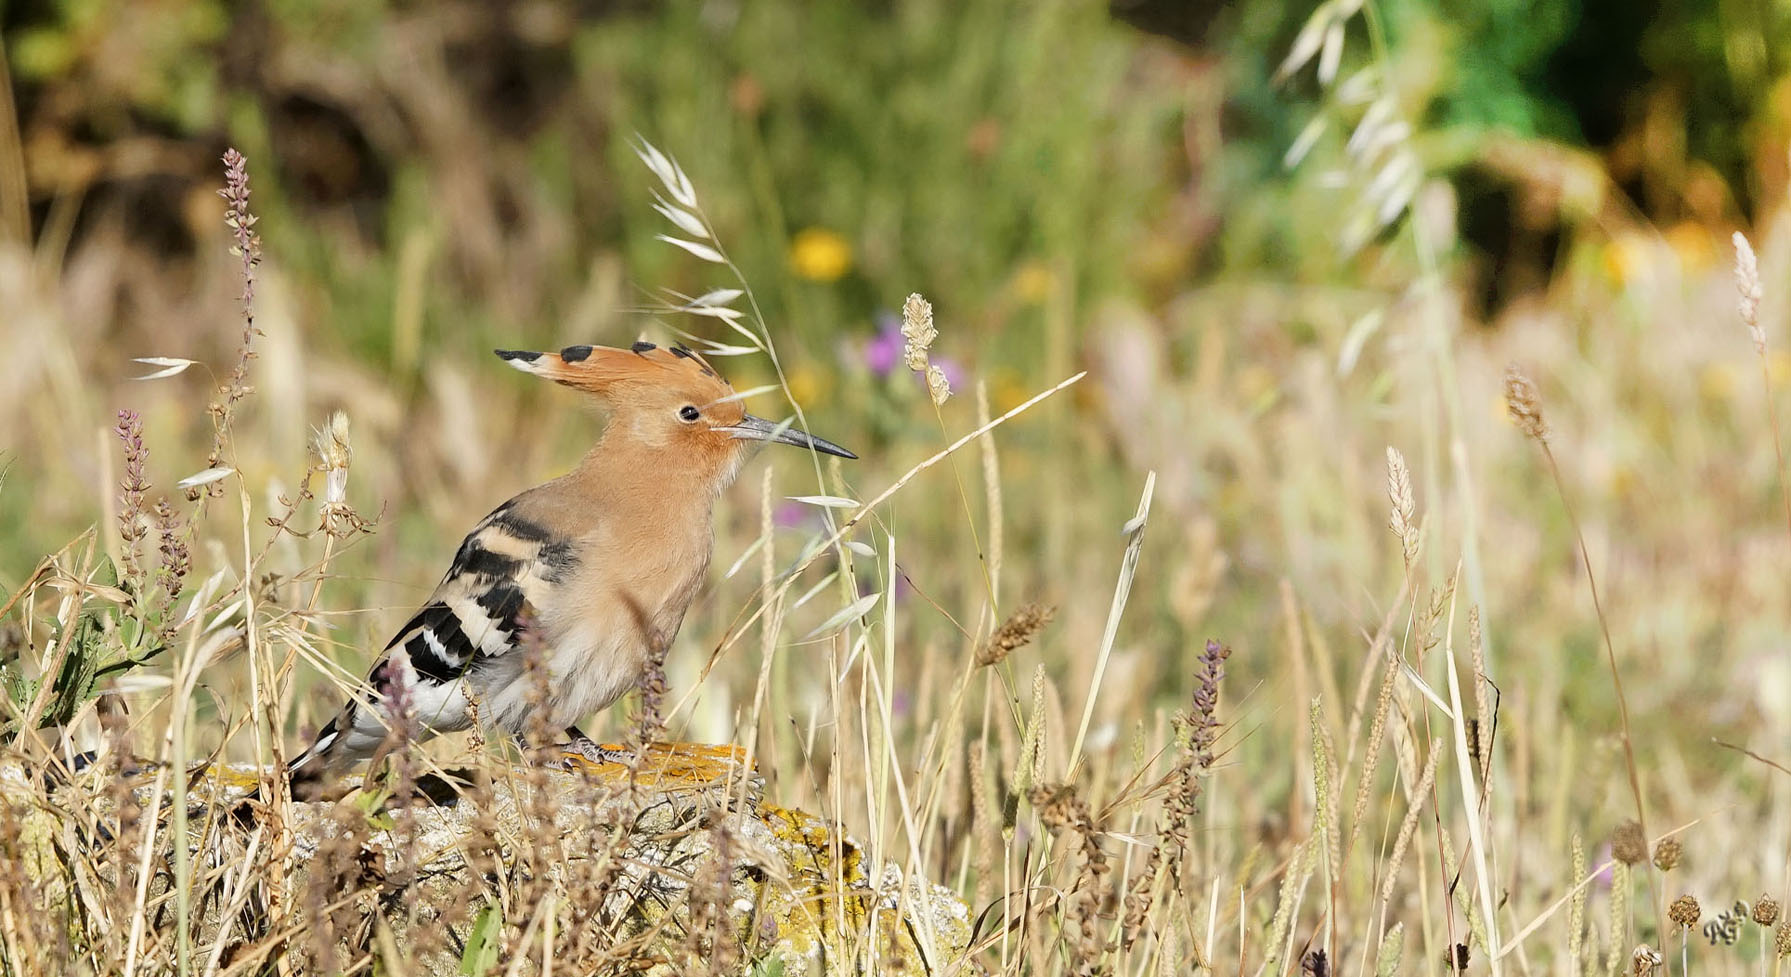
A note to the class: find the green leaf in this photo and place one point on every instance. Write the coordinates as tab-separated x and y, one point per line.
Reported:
771	965
20	690
75	682
482	943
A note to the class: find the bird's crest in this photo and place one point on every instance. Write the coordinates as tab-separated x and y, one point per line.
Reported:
614	373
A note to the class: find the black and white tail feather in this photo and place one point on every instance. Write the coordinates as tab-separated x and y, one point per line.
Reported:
456	647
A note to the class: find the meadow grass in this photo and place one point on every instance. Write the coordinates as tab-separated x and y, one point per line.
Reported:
1235	834
1347	673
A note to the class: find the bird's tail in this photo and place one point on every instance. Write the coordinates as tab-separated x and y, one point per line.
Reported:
317	754
306	773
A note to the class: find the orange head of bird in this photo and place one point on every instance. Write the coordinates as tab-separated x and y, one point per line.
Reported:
665	399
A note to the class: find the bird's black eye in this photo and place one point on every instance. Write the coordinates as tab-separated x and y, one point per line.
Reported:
688	414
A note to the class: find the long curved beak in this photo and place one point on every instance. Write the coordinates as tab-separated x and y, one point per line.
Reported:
753	428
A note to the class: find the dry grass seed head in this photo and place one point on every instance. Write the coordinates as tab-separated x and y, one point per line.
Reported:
1747	283
1016	632
1403	517
1576	907
1392	949
917	331
1183	800
938	387
982	825
1524	404
1619	917
1409	824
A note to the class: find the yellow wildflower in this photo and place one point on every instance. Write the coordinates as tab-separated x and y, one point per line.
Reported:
820	255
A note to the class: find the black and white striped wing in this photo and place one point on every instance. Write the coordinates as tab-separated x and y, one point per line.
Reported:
502	571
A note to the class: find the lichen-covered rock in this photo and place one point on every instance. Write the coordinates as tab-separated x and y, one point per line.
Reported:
675	863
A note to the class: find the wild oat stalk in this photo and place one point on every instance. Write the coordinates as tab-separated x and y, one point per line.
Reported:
686	214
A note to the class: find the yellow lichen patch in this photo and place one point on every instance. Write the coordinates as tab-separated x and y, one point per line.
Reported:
815	836
233	778
828	896
673	766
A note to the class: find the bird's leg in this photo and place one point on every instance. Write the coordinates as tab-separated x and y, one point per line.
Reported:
588	748
526	746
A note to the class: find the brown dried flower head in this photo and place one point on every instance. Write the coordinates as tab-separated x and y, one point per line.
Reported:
1781	938
1628	844
1525	404
1644	960
1016	632
1667	854
1685	911
1766	910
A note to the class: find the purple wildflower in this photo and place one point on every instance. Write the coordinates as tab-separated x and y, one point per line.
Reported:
883	353
131	489
793	515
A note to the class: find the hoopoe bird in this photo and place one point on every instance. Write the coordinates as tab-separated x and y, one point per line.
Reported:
593	570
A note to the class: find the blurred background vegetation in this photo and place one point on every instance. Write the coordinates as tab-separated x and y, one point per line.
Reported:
1074	186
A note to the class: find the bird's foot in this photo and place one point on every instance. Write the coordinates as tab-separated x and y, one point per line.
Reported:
592	753
589	750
